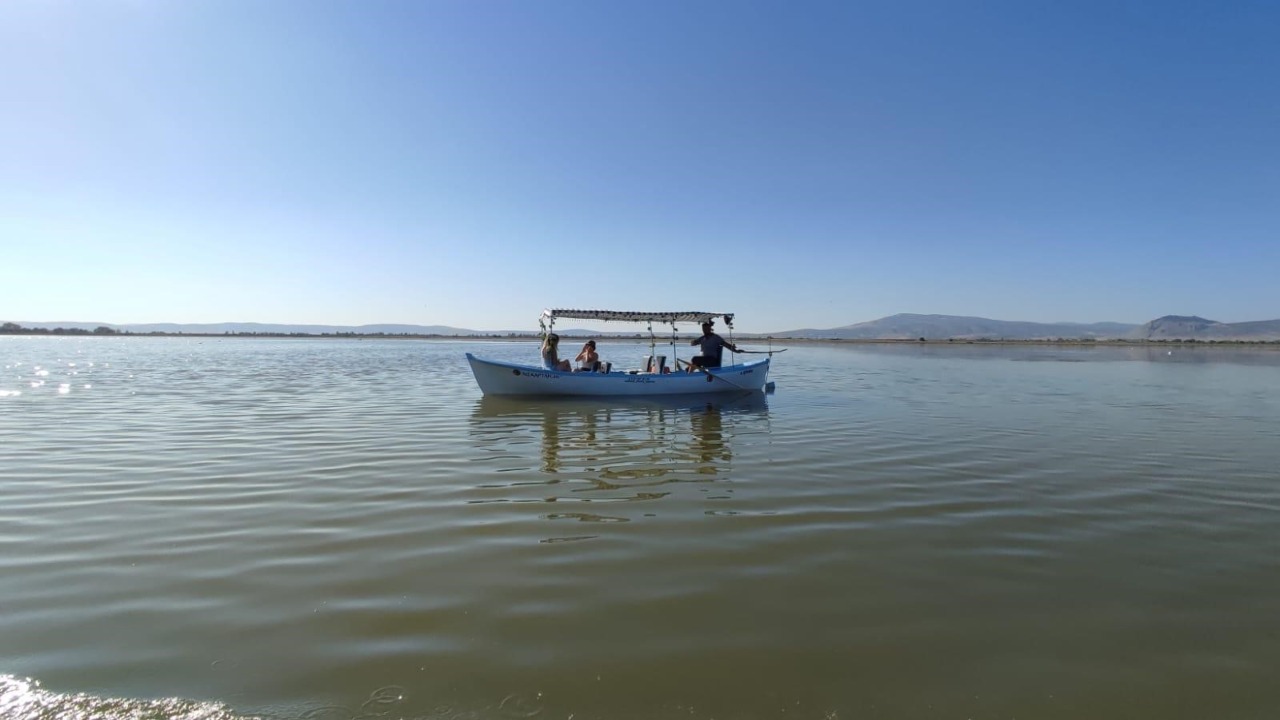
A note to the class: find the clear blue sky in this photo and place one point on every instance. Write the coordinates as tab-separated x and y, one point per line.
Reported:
804	164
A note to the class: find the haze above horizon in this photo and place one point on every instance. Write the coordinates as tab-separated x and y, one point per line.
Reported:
806	165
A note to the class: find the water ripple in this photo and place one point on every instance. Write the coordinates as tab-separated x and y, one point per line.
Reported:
330	528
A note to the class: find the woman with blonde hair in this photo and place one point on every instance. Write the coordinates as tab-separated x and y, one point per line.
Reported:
550	360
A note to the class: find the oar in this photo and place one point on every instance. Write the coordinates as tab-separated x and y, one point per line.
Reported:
725	379
760	352
711	374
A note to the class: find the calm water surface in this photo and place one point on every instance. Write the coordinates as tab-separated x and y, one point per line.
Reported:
307	528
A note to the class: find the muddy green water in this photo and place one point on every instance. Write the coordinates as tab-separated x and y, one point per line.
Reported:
309	528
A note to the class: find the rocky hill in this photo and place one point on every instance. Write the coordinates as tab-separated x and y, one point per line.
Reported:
906	326
1191	327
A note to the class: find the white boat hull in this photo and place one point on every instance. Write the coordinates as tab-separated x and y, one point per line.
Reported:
503	378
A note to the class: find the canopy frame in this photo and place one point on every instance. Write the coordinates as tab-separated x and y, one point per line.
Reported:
547	321
676	316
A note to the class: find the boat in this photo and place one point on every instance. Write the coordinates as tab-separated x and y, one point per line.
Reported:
655	377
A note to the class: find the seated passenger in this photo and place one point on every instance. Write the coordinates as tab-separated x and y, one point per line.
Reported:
588	360
550	360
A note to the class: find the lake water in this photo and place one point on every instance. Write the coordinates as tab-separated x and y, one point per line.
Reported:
321	529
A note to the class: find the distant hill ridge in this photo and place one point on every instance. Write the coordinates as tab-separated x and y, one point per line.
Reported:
904	326
259	328
907	326
1180	327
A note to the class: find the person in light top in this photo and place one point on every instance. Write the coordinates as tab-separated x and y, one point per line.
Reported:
712	348
588	359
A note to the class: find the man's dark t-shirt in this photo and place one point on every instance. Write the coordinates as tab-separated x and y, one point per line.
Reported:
712	350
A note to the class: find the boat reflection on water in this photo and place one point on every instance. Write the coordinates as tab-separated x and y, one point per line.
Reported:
619	448
707	428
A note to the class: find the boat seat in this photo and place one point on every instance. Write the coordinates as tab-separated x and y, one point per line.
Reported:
655	363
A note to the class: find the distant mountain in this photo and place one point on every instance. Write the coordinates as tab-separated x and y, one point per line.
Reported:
264	328
903	326
1184	327
260	328
67	325
906	326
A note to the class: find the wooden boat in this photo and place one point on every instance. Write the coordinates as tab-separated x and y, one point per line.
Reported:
496	377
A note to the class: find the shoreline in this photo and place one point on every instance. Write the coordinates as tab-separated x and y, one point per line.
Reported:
1069	342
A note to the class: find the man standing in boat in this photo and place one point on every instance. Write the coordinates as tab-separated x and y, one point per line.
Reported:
712	348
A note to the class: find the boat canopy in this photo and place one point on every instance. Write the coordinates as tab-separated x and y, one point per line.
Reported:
636	316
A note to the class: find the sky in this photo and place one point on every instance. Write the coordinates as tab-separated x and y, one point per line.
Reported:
801	164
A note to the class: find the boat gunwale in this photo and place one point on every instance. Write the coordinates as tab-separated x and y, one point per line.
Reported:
495	378
611	373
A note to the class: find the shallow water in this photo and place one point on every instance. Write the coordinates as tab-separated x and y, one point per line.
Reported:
328	528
